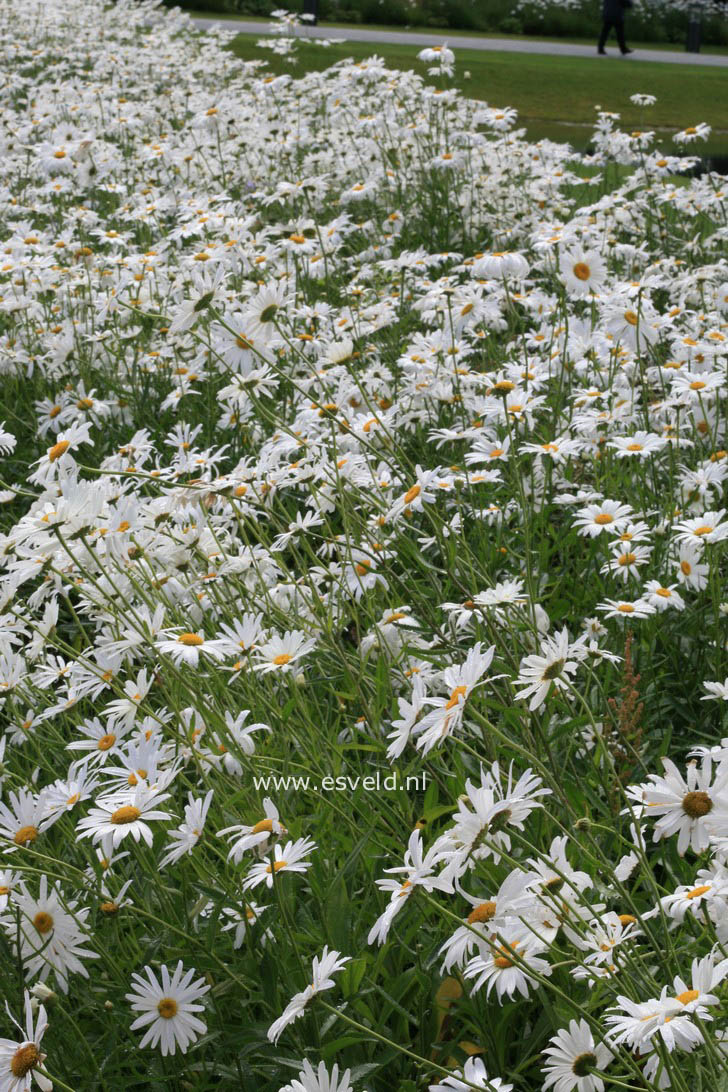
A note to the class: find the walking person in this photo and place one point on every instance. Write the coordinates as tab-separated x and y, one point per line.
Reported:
613	18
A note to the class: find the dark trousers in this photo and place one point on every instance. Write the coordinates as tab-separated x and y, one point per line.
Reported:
618	25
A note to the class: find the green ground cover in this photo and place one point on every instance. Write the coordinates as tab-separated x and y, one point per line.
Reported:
555	96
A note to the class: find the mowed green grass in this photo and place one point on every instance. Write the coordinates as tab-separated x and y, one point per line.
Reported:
450	33
548	90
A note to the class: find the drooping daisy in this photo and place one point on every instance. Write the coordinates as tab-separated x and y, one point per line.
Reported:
187	835
448	712
168	1008
418	870
258	835
323	968
487	811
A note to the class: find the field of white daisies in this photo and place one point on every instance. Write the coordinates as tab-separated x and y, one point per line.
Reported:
363	607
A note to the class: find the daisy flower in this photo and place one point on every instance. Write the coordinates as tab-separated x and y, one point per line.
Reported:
507	962
322	970
19	1061
256	836
474	1073
706	895
187	648
573	1057
639	445
114	818
7	440
609	516
320	1080
287	858
691	570
690	808
551	668
168	1008
486	811
448	712
24	818
624	609
583	272
418	870
709	527
626	561
281	652
717	691
187	835
51	935
263	312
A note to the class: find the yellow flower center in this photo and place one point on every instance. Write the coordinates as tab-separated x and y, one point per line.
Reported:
106	742
455	697
635	447
25	835
264	824
581	271
43	922
626	608
190	639
167	1008
631	318
24	1059
698	891
127	813
412	493
277	866
687	996
482	913
603	519
282	659
697	804
704	529
57	450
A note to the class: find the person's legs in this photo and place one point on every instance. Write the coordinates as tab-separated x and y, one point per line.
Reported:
606	27
619	28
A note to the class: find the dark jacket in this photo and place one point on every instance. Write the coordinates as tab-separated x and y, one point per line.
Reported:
615	9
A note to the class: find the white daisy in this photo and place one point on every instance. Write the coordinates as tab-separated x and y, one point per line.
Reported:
168	1008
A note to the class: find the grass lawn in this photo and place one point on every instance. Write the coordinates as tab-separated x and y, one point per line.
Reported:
552	90
449	32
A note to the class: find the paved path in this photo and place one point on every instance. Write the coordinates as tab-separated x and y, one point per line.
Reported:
499	45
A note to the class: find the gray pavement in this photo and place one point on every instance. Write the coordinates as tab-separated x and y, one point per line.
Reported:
494	45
